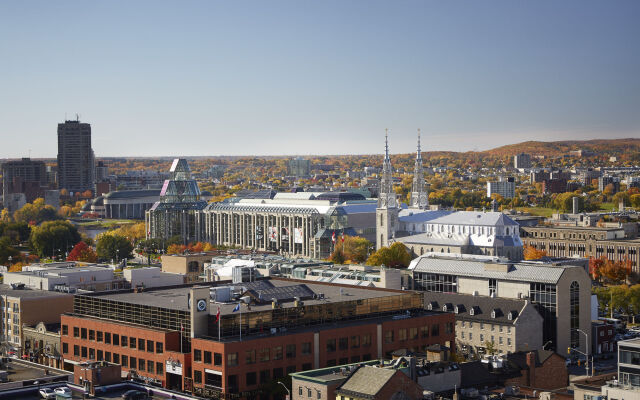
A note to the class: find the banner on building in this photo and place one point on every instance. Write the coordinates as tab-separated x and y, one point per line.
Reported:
273	233
297	235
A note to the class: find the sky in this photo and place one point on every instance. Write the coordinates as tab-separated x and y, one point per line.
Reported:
197	78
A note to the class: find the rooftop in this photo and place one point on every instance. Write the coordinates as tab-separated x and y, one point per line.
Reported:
483	268
280	288
6	290
367	380
489	309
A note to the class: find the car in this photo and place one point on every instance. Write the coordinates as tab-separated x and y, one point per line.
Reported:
47	393
135	395
62	390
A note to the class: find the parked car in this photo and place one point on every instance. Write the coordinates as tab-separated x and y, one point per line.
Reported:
47	393
135	395
62	390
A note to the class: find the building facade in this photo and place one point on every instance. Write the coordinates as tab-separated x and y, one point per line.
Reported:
571	241
505	187
75	157
175	338
561	293
522	161
24	176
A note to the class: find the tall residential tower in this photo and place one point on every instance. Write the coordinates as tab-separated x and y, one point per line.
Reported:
75	157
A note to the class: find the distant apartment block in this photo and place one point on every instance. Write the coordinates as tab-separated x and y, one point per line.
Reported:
24	176
505	187
522	161
299	167
76	167
605	181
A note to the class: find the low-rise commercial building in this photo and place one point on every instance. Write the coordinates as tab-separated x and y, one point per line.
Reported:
42	344
561	292
67	278
149	277
263	331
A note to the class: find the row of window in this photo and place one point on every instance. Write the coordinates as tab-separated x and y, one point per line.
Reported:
405	334
115	339
124	360
463	335
492	326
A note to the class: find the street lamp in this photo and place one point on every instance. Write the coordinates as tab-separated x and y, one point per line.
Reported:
286	388
588	346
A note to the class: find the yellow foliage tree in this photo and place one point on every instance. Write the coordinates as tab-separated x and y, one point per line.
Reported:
531	253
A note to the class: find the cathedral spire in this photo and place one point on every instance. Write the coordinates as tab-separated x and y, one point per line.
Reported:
386	196
419	198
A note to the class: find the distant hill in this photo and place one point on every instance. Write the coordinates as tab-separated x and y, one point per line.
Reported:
554	149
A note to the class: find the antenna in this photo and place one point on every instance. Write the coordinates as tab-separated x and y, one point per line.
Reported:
77	117
419	155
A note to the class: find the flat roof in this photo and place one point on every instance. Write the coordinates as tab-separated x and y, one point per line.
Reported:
6	290
177	298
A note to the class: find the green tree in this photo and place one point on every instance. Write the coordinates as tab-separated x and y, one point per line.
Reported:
113	247
53	238
394	256
7	250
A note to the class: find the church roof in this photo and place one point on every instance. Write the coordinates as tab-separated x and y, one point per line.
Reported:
475	218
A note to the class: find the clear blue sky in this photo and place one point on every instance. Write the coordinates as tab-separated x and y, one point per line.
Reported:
322	77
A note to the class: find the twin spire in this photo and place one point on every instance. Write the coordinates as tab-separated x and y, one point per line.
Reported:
387	196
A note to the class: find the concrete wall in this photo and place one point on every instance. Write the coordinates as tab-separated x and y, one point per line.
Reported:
151	277
441	382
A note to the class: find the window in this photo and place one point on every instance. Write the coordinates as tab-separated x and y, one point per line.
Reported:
232	359
150	346
84	352
150	366
197	355
76	350
448	328
116	339
100	355
493	287
435	330
509	341
343	360
331	363
125	361
159	347
388	337
159	369
481	338
413	333
263	355
251	378
500	340
107	338
355	359
306	366
76	331
65	330
308	392
366	340
92	354
132	342
300	387
291	369
291	350
277	353
92	334
197	376
424	331
482	325
133	362
107	356
250	357
123	342
355	342
207	357
470	335
343	343
83	333
439	283
116	358
306	348
278	373
331	345
402	335
141	344
65	348
265	376
99	336
574	313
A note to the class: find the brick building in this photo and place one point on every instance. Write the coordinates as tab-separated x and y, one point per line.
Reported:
540	369
170	337
373	383
569	241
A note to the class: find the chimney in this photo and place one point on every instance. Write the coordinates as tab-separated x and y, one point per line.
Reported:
531	363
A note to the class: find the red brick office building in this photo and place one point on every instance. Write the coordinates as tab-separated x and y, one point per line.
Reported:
170	337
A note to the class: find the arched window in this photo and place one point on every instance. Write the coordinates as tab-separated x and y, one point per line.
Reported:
574	313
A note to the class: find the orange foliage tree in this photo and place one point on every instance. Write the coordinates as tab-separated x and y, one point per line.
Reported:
531	253
609	270
82	252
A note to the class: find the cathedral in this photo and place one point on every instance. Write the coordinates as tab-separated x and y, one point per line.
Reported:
423	230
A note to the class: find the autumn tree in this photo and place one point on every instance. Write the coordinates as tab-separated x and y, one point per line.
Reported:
113	247
353	249
52	238
531	253
82	252
394	256
7	250
36	212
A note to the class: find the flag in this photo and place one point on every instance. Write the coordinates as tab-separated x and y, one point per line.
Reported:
218	315
333	237
237	308
342	237
181	328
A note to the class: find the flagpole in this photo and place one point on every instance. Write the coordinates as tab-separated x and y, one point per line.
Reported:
219	323
240	321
